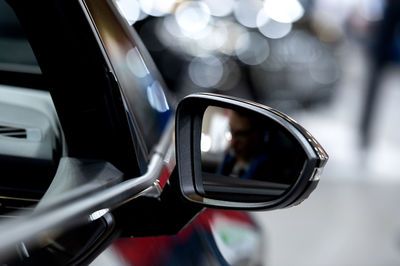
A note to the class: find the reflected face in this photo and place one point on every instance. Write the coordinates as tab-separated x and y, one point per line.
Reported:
246	139
248	146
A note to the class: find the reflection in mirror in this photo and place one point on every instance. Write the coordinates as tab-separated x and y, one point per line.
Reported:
247	153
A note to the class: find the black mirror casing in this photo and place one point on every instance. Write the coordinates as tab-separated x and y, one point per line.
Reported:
189	119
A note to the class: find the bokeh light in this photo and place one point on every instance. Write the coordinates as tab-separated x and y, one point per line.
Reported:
216	37
157	8
270	27
372	10
193	17
325	70
327	26
142	15
171	27
130	9
206	72
235	31
284	11
246	12
220	8
252	48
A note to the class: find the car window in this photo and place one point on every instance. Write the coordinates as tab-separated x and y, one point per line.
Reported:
141	85
15	52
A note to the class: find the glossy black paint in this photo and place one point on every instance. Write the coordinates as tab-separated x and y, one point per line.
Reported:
84	89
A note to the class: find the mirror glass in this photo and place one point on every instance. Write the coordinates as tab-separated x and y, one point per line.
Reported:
247	155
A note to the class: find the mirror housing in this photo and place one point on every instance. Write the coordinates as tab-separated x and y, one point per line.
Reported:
237	193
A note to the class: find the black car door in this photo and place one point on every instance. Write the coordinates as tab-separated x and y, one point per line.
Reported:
116	121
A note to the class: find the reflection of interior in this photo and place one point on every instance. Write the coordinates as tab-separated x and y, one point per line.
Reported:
249	146
215	138
220	183
235	188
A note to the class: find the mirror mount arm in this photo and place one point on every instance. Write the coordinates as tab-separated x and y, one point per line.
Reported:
166	215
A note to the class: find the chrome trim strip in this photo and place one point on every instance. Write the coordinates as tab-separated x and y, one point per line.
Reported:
33	228
21	199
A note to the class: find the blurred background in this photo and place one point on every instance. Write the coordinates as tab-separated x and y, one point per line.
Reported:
330	64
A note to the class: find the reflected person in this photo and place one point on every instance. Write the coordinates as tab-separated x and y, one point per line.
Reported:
246	156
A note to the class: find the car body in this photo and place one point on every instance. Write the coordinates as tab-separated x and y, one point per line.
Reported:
97	158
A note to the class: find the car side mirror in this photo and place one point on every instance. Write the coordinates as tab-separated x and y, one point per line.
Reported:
237	154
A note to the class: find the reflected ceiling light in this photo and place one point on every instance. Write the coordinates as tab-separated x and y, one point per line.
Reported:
98	214
206	143
129	9
228	136
220	8
252	48
157	8
272	28
136	63
193	17
156	97
206	72
246	12
284	11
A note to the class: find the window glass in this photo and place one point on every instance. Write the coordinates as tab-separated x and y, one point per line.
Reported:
141	85
15	51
